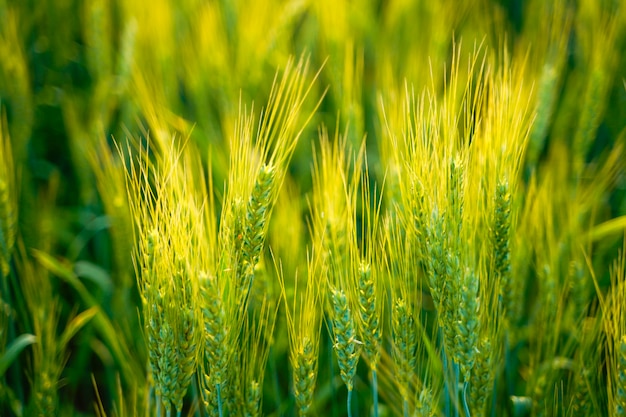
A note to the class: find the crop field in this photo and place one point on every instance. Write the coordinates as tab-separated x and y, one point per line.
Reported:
312	208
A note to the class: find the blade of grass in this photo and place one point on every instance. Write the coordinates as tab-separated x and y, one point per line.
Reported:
14	349
76	324
101	321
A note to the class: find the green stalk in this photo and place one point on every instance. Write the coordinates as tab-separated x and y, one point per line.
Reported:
219	400
158	406
494	397
349	403
332	372
455	384
375	392
465	405
446	389
197	395
405	407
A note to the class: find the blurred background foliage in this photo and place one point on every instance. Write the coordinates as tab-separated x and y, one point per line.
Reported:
75	75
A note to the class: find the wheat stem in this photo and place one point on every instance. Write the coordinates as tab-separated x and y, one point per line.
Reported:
220	411
158	405
465	404
349	405
375	392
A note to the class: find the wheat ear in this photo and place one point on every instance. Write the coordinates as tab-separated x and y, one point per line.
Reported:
404	348
257	212
304	362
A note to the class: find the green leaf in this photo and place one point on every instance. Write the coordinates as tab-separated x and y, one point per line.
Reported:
102	323
76	324
14	349
613	226
94	273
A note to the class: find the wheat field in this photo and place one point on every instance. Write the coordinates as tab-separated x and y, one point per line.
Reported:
312	208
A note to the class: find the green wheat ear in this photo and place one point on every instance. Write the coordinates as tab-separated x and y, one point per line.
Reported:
346	344
483	375
188	335
253	399
425	404
371	334
468	324
404	345
257	212
501	251
215	334
304	362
